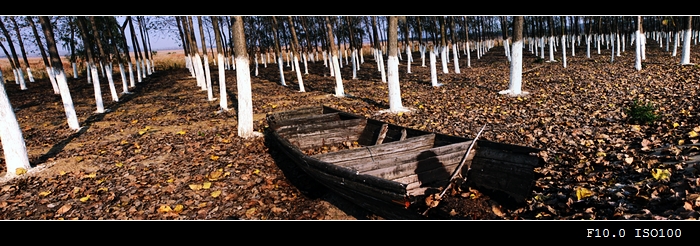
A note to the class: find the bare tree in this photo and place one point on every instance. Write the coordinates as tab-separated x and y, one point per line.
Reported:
395	104
516	64
339	91
223	102
295	53
16	69
57	69
245	99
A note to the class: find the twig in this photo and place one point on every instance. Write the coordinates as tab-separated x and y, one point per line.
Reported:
458	170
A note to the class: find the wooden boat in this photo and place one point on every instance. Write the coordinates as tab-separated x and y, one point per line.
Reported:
385	168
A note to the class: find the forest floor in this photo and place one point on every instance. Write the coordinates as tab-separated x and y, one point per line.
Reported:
166	152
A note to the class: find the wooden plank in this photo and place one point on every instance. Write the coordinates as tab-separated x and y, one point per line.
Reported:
305	120
378	150
364	165
314	128
382	134
297	113
326	137
417	167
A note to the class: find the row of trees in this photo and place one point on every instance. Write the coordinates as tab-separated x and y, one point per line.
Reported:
103	42
302	39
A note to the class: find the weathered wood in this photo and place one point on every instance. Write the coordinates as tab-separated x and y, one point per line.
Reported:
370	152
314	128
403	134
382	134
380	162
288	123
403	169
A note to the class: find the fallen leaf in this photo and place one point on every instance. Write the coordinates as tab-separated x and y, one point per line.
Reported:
63	209
20	171
178	208
660	174
693	134
119	164
583	193
206	185
256	172
164	209
85	198
215	194
629	160
44	193
215	175
196	186
182	132
214	157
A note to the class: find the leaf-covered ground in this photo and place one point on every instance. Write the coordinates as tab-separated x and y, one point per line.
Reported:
165	152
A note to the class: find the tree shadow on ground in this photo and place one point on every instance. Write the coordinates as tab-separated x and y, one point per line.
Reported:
95	117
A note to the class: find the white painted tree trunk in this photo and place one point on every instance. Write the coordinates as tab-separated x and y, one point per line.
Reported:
281	67
110	82
612	51
409	59
422	55
455	59
256	65
469	57
88	72
132	83
542	48
643	39
516	71
67	100
354	65
443	59
13	146
188	64
381	65
139	78
20	78
325	59
52	78
299	77
199	68
30	75
638	49
98	90
306	67
617	43
675	44
505	46
207	73
339	90
597	42
588	46
149	70
125	83
223	101
245	99
685	56
433	68
573	49
395	104
563	50
75	70
551	48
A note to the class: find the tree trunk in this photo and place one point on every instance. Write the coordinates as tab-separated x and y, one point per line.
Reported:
91	64
395	105
245	99
278	53
339	91
57	69
295	53
207	74
13	145
21	48
638	45
516	64
685	56
47	65
223	99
